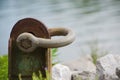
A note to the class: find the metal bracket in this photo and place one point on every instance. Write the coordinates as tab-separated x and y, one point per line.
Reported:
29	48
24	63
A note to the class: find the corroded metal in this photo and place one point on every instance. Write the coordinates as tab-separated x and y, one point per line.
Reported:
25	43
33	42
23	63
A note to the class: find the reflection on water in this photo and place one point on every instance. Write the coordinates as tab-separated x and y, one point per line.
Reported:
90	19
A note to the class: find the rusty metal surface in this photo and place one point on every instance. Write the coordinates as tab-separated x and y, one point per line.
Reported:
26	63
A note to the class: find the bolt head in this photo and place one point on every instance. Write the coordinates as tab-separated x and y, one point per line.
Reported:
26	43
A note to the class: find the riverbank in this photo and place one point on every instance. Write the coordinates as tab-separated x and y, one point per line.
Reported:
106	68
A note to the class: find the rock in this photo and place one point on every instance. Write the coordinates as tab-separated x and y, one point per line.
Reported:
118	72
82	68
84	63
61	72
106	67
83	76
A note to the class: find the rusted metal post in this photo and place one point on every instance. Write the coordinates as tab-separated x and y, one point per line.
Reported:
24	63
29	48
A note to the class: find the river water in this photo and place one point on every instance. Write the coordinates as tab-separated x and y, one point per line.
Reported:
91	20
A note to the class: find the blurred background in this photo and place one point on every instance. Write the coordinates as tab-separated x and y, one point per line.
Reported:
93	21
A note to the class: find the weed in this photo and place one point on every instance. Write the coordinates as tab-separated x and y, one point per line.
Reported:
96	52
3	67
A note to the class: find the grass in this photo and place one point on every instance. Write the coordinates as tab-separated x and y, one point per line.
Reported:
35	77
54	56
4	67
96	52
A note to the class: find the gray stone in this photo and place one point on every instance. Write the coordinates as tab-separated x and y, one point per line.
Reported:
61	72
84	63
118	72
83	76
82	68
106	67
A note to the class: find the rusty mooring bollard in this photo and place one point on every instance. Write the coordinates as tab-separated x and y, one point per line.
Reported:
29	48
